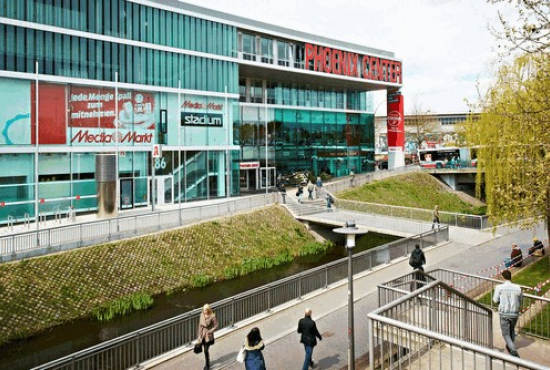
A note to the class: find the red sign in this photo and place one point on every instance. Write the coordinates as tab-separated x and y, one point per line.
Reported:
345	63
395	122
42	200
2	204
248	165
78	197
188	104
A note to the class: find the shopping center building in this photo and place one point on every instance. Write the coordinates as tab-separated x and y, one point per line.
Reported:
180	102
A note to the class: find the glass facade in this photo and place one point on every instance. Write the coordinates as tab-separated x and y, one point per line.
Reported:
117	76
333	143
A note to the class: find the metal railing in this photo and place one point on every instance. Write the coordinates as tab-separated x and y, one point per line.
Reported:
447	218
362	179
535	311
438	308
43	241
398	345
133	349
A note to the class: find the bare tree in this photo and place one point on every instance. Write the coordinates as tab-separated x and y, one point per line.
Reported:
419	124
526	28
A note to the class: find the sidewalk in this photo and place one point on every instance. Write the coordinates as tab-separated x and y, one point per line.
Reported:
468	251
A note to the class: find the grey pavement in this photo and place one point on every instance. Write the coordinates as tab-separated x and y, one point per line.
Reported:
468	251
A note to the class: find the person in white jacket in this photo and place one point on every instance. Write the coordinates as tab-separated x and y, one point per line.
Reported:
509	297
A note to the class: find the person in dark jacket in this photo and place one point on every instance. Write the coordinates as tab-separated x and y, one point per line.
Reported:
308	329
417	261
254	345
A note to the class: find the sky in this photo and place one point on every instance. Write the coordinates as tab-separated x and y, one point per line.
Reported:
445	45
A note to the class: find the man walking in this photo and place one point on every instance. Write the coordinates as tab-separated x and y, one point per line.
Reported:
417	260
308	329
435	217
508	296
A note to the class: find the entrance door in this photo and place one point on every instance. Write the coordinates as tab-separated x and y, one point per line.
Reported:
126	193
270	180
248	179
164	190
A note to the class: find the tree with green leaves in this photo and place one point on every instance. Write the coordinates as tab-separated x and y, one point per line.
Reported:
513	135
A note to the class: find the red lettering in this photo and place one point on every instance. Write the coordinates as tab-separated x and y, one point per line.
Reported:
354	64
327	60
311	51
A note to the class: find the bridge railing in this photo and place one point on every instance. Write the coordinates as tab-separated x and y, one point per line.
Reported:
133	349
447	218
64	237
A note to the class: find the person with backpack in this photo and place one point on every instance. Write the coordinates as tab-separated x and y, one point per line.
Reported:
417	260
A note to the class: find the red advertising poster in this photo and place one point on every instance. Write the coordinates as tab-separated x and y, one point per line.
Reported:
52	113
95	108
395	121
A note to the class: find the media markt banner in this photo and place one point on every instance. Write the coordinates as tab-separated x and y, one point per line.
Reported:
94	119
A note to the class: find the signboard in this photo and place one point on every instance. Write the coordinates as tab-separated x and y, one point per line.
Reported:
201	119
249	165
395	122
345	63
157	151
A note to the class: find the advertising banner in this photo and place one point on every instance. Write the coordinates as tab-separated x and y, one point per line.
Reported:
395	122
93	117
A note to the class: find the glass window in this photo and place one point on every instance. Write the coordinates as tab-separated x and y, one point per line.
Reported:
249	47
267	50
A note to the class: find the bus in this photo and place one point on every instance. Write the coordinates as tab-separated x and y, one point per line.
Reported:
447	157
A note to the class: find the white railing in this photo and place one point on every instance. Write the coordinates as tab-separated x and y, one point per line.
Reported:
47	240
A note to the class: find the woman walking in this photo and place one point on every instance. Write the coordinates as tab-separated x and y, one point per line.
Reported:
208	324
254	345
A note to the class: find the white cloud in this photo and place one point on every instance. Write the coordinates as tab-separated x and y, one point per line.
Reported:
445	45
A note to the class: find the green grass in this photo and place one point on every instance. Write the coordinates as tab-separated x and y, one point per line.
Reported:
415	189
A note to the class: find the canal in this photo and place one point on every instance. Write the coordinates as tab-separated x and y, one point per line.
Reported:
75	336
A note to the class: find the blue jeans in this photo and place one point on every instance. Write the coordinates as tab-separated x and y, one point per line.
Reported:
309	354
507	326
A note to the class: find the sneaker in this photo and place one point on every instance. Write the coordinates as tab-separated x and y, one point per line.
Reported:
514	353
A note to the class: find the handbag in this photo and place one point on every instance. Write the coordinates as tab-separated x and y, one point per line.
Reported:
241	356
198	347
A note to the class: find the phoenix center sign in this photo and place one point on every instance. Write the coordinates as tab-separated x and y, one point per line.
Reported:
345	63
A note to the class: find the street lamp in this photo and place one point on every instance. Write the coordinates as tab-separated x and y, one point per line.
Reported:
350	230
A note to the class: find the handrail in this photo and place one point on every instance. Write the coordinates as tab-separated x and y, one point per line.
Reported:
461	344
449	218
87	233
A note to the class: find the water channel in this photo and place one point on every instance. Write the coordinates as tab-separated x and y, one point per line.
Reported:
75	336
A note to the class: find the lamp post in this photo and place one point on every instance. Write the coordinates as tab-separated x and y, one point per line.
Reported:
350	230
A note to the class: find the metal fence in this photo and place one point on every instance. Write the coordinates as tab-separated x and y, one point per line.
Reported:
398	345
448	218
130	350
440	309
435	327
535	311
48	240
362	179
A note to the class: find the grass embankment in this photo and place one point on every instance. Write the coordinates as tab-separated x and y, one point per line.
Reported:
40	293
415	189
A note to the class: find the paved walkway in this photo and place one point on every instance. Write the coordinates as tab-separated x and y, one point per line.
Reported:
468	251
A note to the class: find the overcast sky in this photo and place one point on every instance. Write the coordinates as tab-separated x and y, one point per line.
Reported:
445	45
